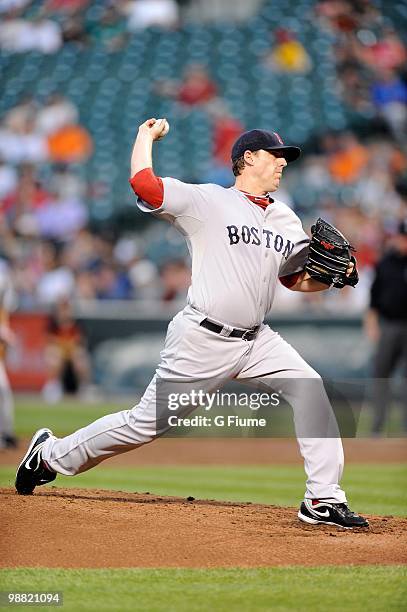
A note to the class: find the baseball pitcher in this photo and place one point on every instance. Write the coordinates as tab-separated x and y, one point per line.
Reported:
243	242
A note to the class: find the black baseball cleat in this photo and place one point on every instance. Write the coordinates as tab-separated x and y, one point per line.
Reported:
315	511
32	472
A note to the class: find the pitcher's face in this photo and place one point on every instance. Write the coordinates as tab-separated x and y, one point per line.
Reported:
266	167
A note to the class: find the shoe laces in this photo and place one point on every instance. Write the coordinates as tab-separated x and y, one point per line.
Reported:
345	510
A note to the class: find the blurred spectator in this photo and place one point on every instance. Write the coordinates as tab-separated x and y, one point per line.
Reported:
27	272
377	185
112	283
349	160
20	206
225	131
175	278
46	35
22	146
355	90
20	35
345	16
386	53
389	95
64	6
21	115
71	143
81	252
61	218
67	183
7	6
8	179
142	273
336	13
57	113
57	280
66	354
85	285
142	14
288	54
15	34
33	134
196	88
386	326
144	278
110	30
74	31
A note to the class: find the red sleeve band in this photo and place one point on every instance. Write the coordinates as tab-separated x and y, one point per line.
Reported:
148	187
290	280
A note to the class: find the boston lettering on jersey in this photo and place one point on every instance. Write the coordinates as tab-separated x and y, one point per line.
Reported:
251	235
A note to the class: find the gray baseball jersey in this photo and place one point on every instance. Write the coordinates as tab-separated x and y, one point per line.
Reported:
238	249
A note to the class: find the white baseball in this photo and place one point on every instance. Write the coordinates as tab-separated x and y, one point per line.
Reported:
166	128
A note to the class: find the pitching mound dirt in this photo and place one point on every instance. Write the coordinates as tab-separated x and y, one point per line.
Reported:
94	528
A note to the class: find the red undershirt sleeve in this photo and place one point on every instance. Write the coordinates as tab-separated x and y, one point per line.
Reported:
290	280
149	187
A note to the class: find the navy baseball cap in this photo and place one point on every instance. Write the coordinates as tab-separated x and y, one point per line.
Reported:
254	140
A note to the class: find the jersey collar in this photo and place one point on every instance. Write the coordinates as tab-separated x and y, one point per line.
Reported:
262	201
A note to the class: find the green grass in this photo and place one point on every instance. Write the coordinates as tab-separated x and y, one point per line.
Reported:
65	417
374	489
374	588
69	415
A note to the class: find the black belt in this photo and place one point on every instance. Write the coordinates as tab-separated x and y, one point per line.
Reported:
230	332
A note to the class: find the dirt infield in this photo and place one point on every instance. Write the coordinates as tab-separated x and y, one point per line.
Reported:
94	528
249	451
